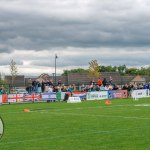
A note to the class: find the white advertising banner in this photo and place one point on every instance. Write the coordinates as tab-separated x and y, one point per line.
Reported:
97	95
140	93
74	100
62	95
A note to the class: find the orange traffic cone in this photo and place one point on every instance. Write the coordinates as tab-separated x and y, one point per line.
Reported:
26	110
107	102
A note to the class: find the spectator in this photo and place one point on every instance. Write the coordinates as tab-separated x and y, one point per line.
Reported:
82	88
104	82
43	86
30	89
92	82
110	80
59	82
39	90
99	82
50	89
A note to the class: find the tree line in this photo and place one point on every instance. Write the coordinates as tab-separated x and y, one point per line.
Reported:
122	69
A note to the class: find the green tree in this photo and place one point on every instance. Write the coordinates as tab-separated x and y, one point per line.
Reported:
107	68
132	71
13	71
78	70
122	69
94	69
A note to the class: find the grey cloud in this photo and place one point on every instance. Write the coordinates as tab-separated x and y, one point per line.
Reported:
109	26
113	32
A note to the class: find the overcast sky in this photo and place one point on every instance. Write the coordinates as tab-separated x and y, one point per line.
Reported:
114	32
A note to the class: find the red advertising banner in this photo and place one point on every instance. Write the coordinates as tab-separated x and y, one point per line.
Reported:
3	98
118	94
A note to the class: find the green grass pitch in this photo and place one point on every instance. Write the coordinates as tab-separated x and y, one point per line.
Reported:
90	125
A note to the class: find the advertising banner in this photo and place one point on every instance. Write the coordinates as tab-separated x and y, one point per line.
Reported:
74	100
31	97
140	93
13	98
3	98
48	96
63	95
118	94
82	95
0	99
97	95
60	95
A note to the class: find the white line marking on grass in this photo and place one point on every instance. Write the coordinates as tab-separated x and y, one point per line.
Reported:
142	105
108	116
76	134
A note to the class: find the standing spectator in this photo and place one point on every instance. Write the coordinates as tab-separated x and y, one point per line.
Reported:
43	86
34	85
63	88
59	82
39	89
110	80
47	84
99	82
92	82
1	91
50	89
104	82
125	87
82	88
51	82
29	86
130	88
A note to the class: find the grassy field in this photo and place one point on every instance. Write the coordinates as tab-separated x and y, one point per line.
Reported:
90	125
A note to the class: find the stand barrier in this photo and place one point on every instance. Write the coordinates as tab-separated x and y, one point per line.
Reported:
53	96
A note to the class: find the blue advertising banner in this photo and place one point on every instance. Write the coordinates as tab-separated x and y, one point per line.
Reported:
48	96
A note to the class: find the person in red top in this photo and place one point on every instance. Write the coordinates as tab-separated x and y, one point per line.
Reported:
99	82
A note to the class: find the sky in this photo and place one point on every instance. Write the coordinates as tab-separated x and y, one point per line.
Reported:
114	32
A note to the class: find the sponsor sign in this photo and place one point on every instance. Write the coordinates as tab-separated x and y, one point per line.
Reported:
97	95
118	94
48	96
74	100
140	93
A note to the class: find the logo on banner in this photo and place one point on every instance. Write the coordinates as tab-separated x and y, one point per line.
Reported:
49	96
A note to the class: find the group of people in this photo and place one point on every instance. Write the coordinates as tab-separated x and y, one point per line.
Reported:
2	90
135	86
48	86
99	85
109	85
